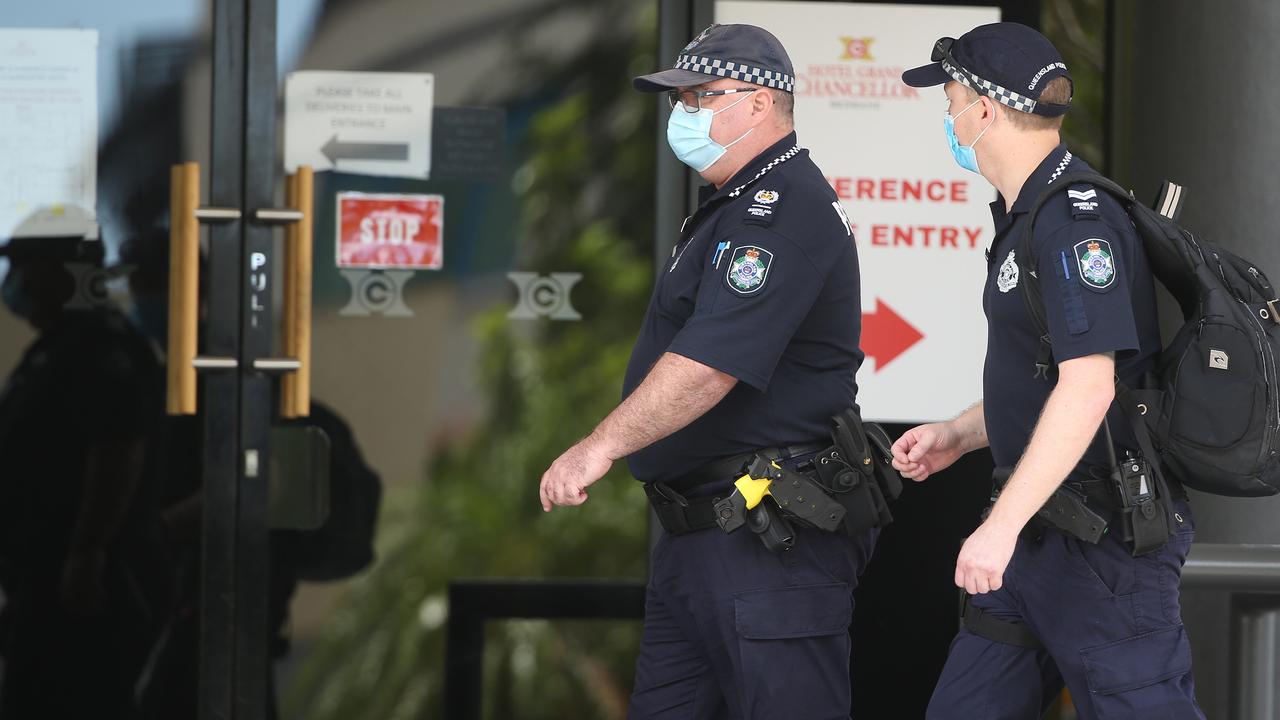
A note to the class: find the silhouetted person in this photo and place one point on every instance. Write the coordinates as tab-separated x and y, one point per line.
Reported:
81	577
341	547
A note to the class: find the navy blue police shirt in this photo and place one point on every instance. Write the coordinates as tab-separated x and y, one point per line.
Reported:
763	286
1099	297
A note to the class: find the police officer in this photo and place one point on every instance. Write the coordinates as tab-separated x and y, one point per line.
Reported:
1050	607
750	344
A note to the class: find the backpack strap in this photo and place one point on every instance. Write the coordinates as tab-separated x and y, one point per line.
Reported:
1031	294
1129	405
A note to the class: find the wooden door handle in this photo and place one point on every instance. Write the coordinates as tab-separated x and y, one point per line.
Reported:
184	291
295	386
184	287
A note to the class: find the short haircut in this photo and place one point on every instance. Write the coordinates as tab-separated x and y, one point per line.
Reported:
1058	92
784	104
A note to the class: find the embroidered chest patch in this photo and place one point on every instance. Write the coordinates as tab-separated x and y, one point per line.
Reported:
1008	277
749	269
1097	263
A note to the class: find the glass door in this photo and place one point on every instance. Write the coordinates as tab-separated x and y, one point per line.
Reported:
482	258
133	564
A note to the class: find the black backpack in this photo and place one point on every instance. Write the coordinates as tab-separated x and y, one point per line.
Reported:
1212	415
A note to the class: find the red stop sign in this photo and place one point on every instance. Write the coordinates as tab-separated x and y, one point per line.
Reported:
390	231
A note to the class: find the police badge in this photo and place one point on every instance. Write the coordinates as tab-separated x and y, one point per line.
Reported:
749	269
701	36
1097	263
1008	277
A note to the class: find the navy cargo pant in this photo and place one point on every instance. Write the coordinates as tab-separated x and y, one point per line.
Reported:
1110	624
732	630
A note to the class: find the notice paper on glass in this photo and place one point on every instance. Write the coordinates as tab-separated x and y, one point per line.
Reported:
48	131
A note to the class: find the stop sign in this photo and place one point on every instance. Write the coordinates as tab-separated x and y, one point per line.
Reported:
390	231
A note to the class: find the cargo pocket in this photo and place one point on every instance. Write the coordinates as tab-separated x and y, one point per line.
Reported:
1142	677
793	648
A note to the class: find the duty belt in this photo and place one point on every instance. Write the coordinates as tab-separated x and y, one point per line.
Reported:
1084	509
679	514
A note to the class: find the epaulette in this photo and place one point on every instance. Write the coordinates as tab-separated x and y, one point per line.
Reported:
1084	201
763	203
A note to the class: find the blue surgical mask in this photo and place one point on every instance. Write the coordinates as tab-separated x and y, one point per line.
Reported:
689	135
964	154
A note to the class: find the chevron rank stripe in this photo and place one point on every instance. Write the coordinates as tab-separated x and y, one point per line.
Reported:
1081	195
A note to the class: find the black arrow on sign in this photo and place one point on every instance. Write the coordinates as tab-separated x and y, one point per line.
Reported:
336	150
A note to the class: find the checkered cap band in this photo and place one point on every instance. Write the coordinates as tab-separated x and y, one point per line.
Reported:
737	71
990	89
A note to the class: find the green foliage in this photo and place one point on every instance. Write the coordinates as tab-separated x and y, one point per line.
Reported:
586	206
1078	29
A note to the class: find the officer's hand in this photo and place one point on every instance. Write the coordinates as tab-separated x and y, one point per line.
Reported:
925	450
984	557
566	481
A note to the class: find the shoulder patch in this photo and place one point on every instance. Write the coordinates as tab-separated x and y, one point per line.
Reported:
1084	201
1097	263
749	269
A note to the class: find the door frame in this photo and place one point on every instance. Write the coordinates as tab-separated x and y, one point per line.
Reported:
237	406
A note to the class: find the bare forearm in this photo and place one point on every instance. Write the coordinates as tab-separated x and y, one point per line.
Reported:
1070	421
971	428
676	392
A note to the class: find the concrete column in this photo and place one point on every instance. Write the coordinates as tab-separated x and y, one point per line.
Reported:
1195	100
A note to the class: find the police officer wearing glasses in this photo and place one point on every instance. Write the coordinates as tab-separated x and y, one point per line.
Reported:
1053	599
748	349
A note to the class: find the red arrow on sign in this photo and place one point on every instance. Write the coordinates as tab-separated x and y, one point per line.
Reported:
885	335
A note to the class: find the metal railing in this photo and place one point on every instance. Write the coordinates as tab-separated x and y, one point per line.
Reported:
1241	570
1236	569
473	602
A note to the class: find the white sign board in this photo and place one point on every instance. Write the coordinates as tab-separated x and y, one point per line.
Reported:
48	132
921	223
366	123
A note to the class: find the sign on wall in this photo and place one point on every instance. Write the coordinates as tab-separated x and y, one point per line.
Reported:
390	231
921	223
366	123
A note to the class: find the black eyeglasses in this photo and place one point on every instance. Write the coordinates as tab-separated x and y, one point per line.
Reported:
692	99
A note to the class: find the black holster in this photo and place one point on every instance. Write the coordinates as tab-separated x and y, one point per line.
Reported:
1067	510
846	487
767	522
858	471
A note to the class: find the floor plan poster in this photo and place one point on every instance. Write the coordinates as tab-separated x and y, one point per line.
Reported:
48	131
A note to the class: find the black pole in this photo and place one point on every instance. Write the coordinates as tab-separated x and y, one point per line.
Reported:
256	328
219	399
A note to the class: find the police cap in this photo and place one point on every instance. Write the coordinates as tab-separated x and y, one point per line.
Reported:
1006	61
742	52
